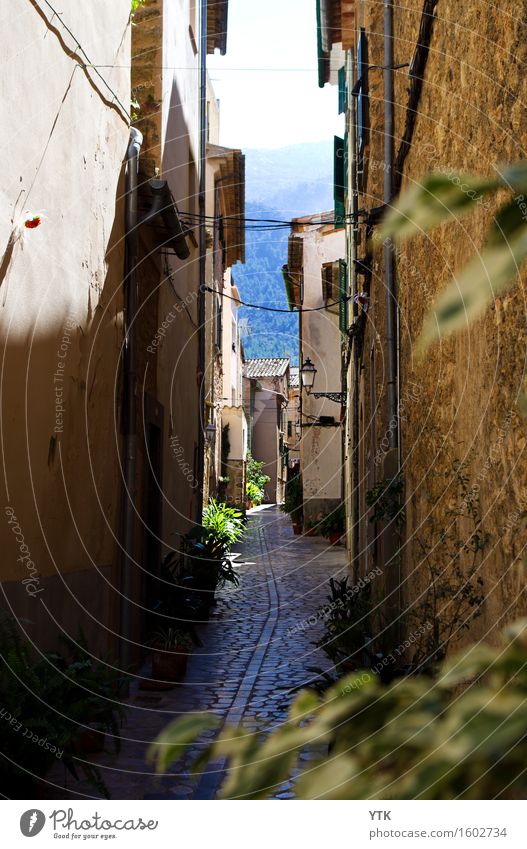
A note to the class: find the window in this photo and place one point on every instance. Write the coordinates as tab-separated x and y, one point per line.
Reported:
342	90
289	429
330	281
339	185
218	321
362	103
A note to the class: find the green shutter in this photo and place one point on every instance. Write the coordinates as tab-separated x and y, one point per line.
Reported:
343	295
321	56
339	191
342	90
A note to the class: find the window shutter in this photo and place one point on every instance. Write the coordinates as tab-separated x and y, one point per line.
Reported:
342	90
343	294
338	181
362	101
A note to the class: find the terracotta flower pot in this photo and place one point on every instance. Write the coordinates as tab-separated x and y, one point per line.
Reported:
169	665
90	741
335	538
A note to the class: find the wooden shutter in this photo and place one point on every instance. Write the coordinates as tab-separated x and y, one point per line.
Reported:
342	90
338	181
362	101
343	294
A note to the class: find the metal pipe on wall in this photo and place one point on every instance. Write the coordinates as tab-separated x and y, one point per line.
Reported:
202	254
389	252
129	410
392	463
352	232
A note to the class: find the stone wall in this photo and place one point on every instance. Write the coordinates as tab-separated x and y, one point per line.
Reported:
460	403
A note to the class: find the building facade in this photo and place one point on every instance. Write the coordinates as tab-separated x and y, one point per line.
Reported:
61	315
293	430
104	285
314	276
424	433
266	382
223	375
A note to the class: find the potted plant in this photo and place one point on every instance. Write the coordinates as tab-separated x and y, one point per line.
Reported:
293	503
170	650
311	529
254	495
63	701
333	525
189	578
207	548
346	639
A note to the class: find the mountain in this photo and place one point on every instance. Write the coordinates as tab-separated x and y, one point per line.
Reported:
280	185
298	180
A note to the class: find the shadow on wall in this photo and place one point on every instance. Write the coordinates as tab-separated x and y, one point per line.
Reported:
61	437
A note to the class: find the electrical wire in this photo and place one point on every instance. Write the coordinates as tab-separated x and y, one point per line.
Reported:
269	224
275	309
194	68
88	63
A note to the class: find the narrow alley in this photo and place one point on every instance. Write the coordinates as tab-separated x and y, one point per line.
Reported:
263	419
258	650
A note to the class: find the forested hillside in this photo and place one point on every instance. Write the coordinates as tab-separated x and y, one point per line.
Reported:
277	188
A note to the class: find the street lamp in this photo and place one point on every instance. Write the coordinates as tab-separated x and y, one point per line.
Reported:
210	433
308	372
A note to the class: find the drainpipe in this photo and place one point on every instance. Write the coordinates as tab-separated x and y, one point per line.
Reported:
352	249
202	255
389	254
129	409
392	464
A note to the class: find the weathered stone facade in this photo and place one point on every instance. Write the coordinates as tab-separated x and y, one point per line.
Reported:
458	404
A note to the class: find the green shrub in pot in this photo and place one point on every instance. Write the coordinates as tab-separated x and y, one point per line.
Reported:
170	650
294	500
333	524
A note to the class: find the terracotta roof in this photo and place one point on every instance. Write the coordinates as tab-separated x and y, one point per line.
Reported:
266	367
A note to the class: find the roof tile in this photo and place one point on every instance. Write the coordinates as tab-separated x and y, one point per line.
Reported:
266	367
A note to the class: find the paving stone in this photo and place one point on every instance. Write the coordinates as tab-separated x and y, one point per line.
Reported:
257	650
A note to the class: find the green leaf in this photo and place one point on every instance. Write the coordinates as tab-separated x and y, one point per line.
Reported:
489	274
437	198
515	176
176	737
304	704
328	779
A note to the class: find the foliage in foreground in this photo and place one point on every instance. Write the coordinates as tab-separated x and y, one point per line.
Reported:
47	703
461	736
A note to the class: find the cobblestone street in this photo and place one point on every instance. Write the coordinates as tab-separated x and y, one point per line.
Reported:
258	648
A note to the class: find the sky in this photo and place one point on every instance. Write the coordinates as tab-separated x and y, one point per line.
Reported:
265	108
